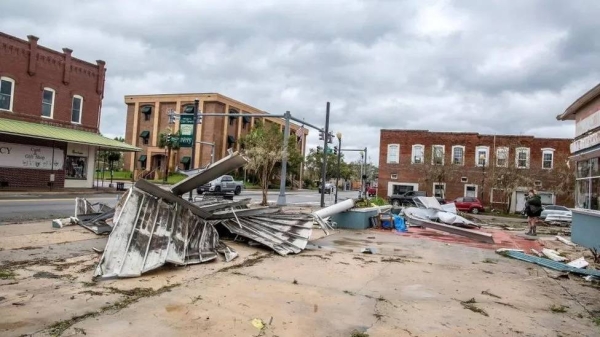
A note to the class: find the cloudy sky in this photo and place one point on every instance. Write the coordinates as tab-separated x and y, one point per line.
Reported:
484	66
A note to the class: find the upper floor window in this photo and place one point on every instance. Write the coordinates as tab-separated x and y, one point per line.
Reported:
76	108
48	103
502	157
458	155
438	155
393	154
547	158
7	91
147	111
482	156
522	157
417	154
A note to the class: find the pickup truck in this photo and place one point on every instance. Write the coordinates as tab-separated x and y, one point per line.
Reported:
405	199
223	184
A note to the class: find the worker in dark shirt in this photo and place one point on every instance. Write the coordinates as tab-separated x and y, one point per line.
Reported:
533	208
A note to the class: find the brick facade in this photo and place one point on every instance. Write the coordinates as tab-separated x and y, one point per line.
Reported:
30	178
215	130
33	67
470	175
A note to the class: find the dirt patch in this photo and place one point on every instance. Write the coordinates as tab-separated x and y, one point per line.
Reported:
131	296
45	274
249	262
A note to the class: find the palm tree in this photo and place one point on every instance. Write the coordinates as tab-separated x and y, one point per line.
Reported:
169	140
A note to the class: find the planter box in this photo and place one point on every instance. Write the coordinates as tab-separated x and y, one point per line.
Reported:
357	218
585	229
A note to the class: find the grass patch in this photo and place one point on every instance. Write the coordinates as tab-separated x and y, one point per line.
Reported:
117	175
596	320
7	274
558	308
377	201
91	292
88	284
357	333
394	259
173	178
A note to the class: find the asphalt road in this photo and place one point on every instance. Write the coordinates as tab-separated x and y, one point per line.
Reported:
34	207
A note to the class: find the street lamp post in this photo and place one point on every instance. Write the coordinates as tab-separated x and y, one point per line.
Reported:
339	158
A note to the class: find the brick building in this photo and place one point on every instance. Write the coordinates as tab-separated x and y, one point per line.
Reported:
498	169
147	118
49	116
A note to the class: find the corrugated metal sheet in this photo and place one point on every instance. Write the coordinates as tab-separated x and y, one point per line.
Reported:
551	264
223	166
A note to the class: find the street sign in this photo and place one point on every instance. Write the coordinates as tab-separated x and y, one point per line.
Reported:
186	129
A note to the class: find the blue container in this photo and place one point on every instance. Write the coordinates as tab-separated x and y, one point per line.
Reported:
399	223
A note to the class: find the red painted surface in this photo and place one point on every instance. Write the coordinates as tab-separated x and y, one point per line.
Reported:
502	239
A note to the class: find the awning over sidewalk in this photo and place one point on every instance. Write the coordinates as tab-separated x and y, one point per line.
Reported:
42	131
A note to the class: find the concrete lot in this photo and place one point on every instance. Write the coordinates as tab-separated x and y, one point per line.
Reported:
411	286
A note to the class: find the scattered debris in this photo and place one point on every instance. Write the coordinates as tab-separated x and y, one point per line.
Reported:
506	304
367	251
470	304
488	260
295	281
558	308
258	323
536	252
196	299
551	264
60	223
45	274
565	241
578	263
98	250
486	292
553	255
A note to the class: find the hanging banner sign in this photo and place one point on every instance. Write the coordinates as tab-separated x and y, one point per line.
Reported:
186	129
30	156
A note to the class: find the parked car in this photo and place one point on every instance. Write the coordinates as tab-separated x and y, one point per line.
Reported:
223	184
469	204
555	210
405	199
329	188
372	191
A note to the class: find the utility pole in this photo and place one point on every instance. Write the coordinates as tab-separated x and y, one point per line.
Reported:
196	104
366	194
286	136
339	158
324	167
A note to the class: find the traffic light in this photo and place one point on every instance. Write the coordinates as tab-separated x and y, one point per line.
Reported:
319	149
335	150
320	136
330	138
199	121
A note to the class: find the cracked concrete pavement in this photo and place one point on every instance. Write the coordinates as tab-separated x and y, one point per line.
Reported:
410	287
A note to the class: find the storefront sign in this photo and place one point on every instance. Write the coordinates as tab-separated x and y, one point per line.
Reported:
589	123
77	150
186	129
30	156
585	142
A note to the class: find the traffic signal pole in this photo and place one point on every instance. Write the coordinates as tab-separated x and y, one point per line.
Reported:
324	167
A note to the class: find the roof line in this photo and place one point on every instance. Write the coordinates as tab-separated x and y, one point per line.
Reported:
124	149
580	103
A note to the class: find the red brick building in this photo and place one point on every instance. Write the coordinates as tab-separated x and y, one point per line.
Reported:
49	116
498	169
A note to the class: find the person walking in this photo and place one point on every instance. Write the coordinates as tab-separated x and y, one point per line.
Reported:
533	208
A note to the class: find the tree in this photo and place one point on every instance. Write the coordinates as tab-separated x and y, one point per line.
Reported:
264	149
436	169
168	140
314	164
112	157
564	178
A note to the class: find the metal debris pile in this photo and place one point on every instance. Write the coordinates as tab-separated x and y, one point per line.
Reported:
430	214
152	226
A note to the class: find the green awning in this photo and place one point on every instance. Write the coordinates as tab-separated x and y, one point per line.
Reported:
142	158
185	160
146	109
189	109
230	139
145	134
246	119
42	131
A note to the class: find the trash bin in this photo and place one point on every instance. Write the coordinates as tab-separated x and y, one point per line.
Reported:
120	186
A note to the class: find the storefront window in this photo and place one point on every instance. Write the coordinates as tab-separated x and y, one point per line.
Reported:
582	193
75	168
595	194
583	169
594	170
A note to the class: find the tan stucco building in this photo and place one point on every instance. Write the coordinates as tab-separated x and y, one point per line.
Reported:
147	118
